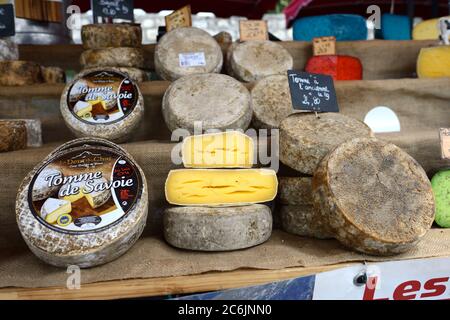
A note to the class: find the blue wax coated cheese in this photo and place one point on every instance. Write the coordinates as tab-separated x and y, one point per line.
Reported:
345	27
395	27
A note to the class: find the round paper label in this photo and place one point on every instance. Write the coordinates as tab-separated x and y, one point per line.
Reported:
84	190
102	97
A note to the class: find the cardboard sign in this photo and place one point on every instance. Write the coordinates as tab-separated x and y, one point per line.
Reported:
106	10
324	46
179	18
253	30
314	92
7	24
444	134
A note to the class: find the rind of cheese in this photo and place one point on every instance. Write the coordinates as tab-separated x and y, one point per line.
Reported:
113	57
209	187
34	132
295	190
441	189
19	73
302	220
13	135
427	30
217	101
8	49
373	197
82	108
305	139
231	149
434	62
217	229
103	35
53	75
252	60
52	208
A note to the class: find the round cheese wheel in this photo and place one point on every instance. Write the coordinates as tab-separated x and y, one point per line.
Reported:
13	135
373	196
103	35
302	220
19	73
8	50
305	139
53	75
186	51
135	74
217	229
95	212
271	102
252	60
102	103
295	190
441	189
216	101
113	57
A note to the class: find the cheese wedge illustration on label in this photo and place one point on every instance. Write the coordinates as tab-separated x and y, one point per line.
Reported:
97	197
220	186
53	208
231	149
82	108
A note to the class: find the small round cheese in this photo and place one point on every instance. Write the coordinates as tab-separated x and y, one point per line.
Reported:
113	57
217	101
302	220
103	35
19	73
102	103
441	189
8	50
306	138
217	229
63	229
271	102
373	196
185	51
252	60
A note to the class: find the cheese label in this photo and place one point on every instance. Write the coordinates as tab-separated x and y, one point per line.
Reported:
253	30
324	46
192	59
103	97
93	189
444	134
179	18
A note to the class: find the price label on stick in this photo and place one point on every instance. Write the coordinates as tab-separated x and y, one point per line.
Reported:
324	46
314	92
179	18
444	134
106	10
253	30
7	24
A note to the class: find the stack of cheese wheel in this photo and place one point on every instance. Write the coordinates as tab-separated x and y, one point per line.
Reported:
114	45
15	72
368	194
218	197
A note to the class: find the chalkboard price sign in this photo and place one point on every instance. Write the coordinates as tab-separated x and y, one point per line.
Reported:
314	92
106	10
7	24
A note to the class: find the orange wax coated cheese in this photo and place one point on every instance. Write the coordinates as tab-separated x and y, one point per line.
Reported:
336	66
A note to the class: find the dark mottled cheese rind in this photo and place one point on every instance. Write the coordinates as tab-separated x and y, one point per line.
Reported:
103	35
306	139
224	38
373	196
53	75
8	50
217	228
253	60
217	100
295	190
186	40
113	57
135	74
19	73
13	135
302	220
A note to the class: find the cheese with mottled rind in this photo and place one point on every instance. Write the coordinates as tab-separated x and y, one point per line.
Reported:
8	49
231	149
302	220
113	57
217	229
205	187
216	101
19	73
103	35
373	197
53	75
434	62
13	135
295	190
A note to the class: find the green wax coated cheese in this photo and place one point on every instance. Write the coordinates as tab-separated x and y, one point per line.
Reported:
441	189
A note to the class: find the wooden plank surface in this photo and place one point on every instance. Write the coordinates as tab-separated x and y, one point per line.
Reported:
134	288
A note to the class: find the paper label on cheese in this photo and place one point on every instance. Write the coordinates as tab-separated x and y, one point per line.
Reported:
94	188
444	134
192	59
103	97
179	18
253	30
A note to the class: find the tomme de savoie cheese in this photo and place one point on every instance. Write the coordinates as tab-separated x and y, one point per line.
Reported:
85	204
103	35
102	103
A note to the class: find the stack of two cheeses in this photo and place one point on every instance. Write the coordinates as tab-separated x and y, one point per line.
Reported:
218	197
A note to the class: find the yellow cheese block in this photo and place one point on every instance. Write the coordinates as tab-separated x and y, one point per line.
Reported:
218	150
426	30
434	62
220	186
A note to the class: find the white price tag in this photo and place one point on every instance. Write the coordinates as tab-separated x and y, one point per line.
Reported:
192	59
